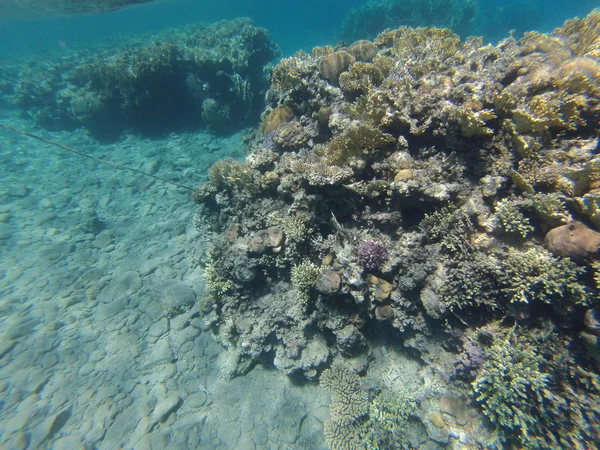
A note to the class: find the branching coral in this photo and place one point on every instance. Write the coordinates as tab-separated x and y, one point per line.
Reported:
535	275
511	386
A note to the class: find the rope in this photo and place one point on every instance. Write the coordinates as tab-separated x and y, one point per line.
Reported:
102	161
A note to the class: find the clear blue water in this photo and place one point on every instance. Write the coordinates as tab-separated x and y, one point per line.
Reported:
293	25
92	258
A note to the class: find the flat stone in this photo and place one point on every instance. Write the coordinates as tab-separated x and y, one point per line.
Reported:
197	399
175	295
456	407
6	231
165	407
161	353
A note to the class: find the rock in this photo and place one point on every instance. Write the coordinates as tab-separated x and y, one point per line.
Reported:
456	407
328	281
6	231
175	295
349	339
574	240
165	407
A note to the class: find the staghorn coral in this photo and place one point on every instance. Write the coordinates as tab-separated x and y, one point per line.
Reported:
509	219
511	385
535	275
304	277
522	389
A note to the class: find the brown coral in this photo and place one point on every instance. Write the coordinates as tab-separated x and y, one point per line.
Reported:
574	240
363	50
276	117
331	66
290	135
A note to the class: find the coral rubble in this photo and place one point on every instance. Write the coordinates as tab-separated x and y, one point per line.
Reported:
408	190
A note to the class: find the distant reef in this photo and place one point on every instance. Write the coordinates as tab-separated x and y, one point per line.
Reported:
374	16
195	76
433	193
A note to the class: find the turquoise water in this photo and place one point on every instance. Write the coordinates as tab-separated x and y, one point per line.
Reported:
104	342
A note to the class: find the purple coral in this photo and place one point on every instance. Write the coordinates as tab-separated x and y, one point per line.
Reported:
372	255
469	361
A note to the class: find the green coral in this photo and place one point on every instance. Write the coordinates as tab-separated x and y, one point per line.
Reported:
216	284
349	408
550	207
304	276
390	416
296	228
470	282
512	388
360	78
535	393
229	173
357	141
509	218
536	275
451	228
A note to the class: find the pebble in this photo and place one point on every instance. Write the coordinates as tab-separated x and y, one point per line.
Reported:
164	407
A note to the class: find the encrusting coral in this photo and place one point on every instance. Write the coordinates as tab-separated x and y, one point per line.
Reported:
413	190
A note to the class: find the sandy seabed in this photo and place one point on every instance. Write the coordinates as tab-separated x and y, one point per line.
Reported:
92	261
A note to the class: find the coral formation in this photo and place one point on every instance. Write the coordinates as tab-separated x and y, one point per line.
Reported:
199	75
411	194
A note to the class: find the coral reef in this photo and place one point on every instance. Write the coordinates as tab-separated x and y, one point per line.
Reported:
198	75
524	393
408	195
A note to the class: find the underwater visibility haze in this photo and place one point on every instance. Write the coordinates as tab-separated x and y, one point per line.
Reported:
299	225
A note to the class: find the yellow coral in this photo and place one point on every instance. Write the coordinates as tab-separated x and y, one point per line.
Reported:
229	173
356	141
360	78
473	123
276	117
